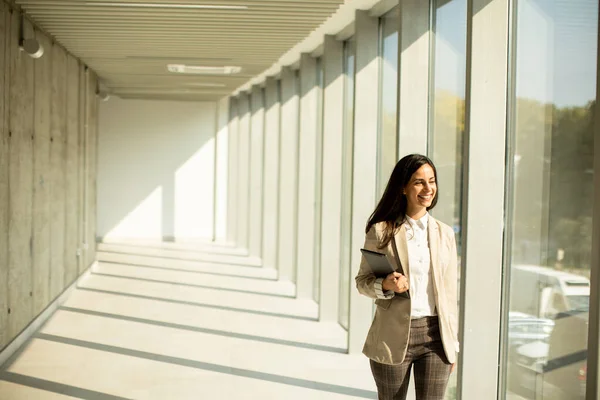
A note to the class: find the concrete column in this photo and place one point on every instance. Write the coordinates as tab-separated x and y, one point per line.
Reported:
272	164
333	130
288	198
243	194
316	240
366	116
413	77
233	171
483	207
221	170
307	174
256	170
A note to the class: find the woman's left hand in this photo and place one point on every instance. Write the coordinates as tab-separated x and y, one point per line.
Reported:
452	367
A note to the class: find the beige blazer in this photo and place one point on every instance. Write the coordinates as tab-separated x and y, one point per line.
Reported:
388	336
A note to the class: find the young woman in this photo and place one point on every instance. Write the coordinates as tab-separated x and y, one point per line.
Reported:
415	324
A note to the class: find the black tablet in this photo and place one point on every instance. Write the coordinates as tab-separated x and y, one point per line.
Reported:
379	263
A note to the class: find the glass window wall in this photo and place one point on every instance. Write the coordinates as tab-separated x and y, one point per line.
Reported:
388	124
447	126
447	116
550	186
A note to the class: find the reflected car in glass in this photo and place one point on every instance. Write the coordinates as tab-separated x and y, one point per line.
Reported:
544	292
524	328
553	366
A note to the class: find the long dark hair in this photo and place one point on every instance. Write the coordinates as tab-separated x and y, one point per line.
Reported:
393	204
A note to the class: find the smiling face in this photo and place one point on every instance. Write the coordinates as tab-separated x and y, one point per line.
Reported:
420	191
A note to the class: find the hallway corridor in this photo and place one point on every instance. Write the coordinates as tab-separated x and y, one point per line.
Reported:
174	321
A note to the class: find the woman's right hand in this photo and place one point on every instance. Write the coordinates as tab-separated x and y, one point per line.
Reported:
396	282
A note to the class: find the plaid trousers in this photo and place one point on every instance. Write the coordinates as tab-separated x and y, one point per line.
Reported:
426	353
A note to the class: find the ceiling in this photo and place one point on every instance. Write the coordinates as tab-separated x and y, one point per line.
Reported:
130	42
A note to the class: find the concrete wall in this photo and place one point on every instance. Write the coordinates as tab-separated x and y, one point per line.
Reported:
156	176
47	169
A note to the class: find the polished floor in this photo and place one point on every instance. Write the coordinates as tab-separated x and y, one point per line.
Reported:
182	321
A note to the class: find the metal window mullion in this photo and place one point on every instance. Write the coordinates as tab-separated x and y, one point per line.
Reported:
593	374
509	194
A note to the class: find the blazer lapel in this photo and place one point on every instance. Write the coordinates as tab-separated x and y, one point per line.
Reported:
434	245
400	239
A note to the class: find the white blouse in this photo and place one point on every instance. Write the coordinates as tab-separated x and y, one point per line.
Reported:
419	261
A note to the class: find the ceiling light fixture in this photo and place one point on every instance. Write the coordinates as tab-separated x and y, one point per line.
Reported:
201	84
102	92
173	58
103	95
189	85
31	46
193	69
121	85
170	90
166	5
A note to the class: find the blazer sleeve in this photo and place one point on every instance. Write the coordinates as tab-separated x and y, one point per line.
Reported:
366	282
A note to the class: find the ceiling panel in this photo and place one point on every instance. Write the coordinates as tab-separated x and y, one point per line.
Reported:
129	43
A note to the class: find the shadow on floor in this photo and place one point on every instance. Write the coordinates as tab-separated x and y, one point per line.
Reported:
132	331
